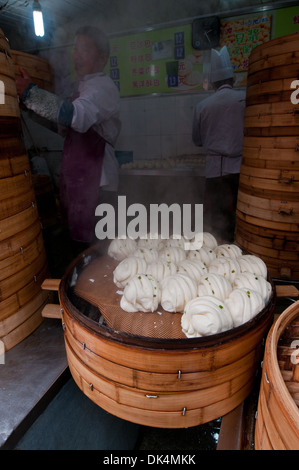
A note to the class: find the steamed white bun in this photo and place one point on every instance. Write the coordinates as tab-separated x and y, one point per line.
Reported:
194	269
148	254
160	269
244	304
252	264
151	241
209	240
255	282
141	294
177	290
205	316
120	249
127	268
228	251
228	267
215	285
204	254
172	253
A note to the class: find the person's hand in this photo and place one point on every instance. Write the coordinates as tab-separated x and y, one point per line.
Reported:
22	82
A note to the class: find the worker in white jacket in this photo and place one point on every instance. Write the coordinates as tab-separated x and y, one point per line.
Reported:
91	122
218	126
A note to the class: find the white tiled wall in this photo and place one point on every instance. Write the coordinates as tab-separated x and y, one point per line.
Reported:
159	126
153	127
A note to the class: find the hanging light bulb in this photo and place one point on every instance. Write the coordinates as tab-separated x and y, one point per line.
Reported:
38	19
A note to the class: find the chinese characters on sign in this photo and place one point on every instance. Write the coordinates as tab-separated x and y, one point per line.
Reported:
161	61
155	61
242	35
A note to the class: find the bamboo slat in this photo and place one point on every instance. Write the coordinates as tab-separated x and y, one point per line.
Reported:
20	279
21	315
14	244
271	114
27	255
284	66
20	332
17	223
268	209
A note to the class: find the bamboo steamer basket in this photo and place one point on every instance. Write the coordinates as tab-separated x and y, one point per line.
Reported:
277	423
267	217
10	107
39	69
150	378
23	263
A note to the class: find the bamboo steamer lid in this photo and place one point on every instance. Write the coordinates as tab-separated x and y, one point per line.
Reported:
23	262
267	217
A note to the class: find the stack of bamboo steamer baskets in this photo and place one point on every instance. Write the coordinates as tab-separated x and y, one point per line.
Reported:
42	74
23	262
267	222
166	382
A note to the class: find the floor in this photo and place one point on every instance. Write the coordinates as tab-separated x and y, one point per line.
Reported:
42	408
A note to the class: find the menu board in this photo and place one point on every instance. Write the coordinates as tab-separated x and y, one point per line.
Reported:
156	61
241	35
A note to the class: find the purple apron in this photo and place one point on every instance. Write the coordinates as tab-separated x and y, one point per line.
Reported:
80	176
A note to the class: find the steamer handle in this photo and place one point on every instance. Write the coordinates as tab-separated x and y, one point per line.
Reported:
286	291
51	284
52	311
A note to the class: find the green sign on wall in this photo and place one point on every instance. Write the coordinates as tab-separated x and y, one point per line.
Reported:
156	61
286	21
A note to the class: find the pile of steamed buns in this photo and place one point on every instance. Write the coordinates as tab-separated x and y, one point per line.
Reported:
216	287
